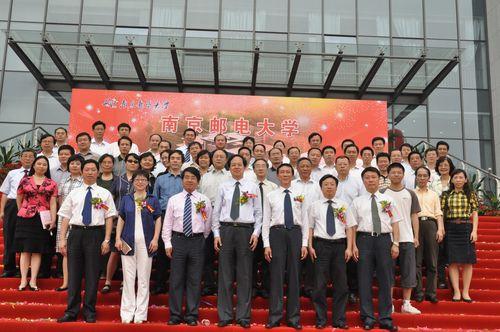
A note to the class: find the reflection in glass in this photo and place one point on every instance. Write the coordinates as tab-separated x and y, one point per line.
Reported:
474	65
64	11
237	14
18	97
49	110
407	18
133	12
99	12
305	16
440	19
168	13
271	15
339	17
477	114
28	10
472	19
444	113
373	16
411	120
202	14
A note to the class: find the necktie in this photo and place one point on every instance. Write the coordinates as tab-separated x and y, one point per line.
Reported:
377	226
25	173
87	208
261	195
235	202
288	210
330	219
187	226
187	156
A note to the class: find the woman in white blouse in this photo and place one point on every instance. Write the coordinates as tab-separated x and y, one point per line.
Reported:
444	167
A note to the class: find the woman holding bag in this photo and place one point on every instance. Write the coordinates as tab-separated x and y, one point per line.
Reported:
37	204
137	234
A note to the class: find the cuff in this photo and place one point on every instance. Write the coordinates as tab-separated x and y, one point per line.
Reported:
216	233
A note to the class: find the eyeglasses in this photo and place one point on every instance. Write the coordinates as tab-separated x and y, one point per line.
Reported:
132	161
141	180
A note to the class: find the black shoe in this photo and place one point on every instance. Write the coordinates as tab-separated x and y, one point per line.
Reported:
306	293
89	319
388	327
106	289
244	324
419	297
8	274
272	325
442	284
174	321
206	291
432	298
320	326
342	326
66	319
224	323
368	326
296	326
158	290
467	300
352	298
61	289
191	322
264	293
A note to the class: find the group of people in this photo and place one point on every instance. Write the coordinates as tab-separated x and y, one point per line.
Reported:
275	216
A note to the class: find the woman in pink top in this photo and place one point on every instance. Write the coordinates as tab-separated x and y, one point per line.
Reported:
36	193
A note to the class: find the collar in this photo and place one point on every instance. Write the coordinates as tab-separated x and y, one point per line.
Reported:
325	200
377	194
422	190
94	186
95	142
193	194
220	171
233	181
302	181
282	189
172	175
453	192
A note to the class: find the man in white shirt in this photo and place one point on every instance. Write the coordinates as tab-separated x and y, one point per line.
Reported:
405	148
8	210
193	149
330	246
285	234
154	146
88	211
408	208
61	136
376	245
61	173
442	148
259	151
261	286
47	143
98	144
236	224
415	162
397	157
276	159
329	158
367	157
124	129
352	153
83	143
378	145
315	155
189	135
246	153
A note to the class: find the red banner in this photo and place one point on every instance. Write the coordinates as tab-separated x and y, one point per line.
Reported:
268	119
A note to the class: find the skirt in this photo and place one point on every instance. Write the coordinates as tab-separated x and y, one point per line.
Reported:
458	247
31	237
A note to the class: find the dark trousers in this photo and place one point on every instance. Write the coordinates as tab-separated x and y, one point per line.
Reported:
285	246
428	252
187	268
307	274
209	280
161	262
235	253
260	280
352	276
330	265
375	256
84	257
9	231
46	263
441	263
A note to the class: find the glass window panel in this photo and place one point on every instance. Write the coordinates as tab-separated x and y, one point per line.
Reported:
64	11
411	120
99	12
50	110
456	148
196	65
63	34
373	16
474	65
160	61
479	153
305	16
346	74
310	69
272	68
441	19
237	14
472	19
407	18
444	113
3	37
373	46
339	17
8	130
168	13
18	97
4	9
236	66
411	48
203	14
33	51
271	15
477	114
28	10
452	80
133	12
122	63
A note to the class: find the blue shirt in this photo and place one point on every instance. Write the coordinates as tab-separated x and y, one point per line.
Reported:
167	186
127	213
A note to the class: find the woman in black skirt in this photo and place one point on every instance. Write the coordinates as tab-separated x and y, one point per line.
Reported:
460	206
36	201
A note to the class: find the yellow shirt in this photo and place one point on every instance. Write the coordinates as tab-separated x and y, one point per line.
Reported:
430	204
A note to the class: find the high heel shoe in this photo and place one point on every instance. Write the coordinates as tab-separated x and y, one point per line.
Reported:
61	289
33	288
21	288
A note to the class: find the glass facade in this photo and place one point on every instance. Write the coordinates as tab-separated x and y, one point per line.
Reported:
458	110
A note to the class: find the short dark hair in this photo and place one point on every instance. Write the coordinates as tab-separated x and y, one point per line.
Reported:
328	176
259	159
284	165
443	143
82	134
65	130
382	155
32	169
244	148
347	140
237	156
312	149
291	148
278	141
155	134
328	147
146	155
90	161
201	154
314	134
341	157
225	138
98	123
269	152
165	151
125	138
408	145
429	150
76	157
395	165
256	145
140	172
124	125
179	153
104	156
442	160
301	159
133	155
29	151
188	130
192	170
350	146
370	169
378	138
426	169
248	138
44	136
367	148
194	143
66	147
413	153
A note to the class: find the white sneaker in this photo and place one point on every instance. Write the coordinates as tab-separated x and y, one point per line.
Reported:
407	308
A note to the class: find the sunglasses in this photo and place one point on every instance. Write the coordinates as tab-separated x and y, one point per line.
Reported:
133	161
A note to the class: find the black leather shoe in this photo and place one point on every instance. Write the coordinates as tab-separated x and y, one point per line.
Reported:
432	298
89	319
352	298
296	326
244	324
159	290
442	284
8	274
419	297
320	326
174	322
272	325
206	291
191	322
341	326
368	326
388	327
264	293
224	323
66	319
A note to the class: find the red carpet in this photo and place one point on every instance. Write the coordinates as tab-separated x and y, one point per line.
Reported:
37	311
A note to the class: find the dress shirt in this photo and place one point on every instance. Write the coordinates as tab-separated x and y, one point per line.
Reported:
456	205
349	188
114	149
190	164
267	186
72	206
273	176
160	168
274	214
11	182
330	170
58	174
119	167
429	203
360	213
89	155
183	149
99	148
409	179
53	159
317	174
407	166
249	175
250	212
437	186
210	182
310	189
317	219
174	216
156	155
166	186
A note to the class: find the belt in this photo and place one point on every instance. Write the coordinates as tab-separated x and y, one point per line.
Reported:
283	227
373	234
87	227
193	235
237	224
426	218
320	239
458	221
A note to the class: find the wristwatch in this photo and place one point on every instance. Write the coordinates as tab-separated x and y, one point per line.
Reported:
395	244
